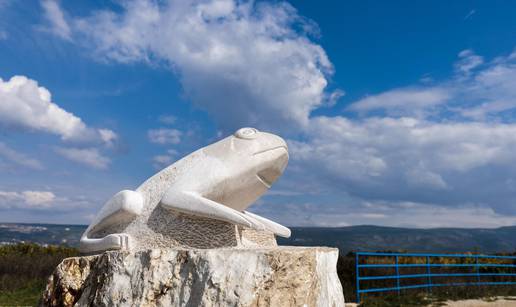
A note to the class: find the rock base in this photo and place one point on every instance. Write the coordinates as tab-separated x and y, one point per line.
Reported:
281	276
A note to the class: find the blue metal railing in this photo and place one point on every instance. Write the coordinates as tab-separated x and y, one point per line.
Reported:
478	262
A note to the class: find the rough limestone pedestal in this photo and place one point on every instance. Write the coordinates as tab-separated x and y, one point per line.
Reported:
279	276
185	238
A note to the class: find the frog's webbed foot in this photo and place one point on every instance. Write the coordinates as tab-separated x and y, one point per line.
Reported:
116	241
195	204
269	225
122	208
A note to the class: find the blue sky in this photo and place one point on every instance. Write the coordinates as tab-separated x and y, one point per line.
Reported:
399	113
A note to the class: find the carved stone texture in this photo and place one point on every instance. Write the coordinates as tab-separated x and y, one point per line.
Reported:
281	276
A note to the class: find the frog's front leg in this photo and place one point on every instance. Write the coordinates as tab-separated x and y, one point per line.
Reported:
116	241
124	207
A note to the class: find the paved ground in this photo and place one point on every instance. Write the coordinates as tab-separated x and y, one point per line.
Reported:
500	302
480	303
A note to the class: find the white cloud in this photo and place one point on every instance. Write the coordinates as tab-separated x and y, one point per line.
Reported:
409	159
403	100
449	144
56	19
36	198
478	91
164	136
489	93
400	214
429	216
23	203
87	156
27	199
468	61
25	104
18	158
333	97
245	63
161	161
107	136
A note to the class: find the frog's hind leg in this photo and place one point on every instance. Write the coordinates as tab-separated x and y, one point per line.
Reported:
198	205
121	208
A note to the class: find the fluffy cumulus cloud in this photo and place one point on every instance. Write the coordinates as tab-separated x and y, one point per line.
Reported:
406	159
245	63
450	144
87	156
24	104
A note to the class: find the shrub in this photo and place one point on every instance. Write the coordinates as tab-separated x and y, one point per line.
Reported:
24	269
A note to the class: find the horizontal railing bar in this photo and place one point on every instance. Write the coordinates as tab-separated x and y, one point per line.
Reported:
437	265
432	275
436	285
432	255
392	289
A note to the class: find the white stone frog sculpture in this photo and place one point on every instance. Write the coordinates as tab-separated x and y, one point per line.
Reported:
195	197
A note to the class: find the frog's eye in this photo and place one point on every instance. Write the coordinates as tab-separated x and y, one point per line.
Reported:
246	133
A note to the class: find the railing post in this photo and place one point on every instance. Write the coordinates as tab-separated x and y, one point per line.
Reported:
397	275
478	269
357	270
428	272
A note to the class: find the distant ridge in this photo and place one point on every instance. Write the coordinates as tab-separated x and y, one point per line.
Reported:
352	238
375	238
41	233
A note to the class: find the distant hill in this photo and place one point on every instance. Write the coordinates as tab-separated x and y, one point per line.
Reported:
41	233
363	238
376	238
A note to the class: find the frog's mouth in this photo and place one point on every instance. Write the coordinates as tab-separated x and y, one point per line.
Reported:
271	149
266	182
278	162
